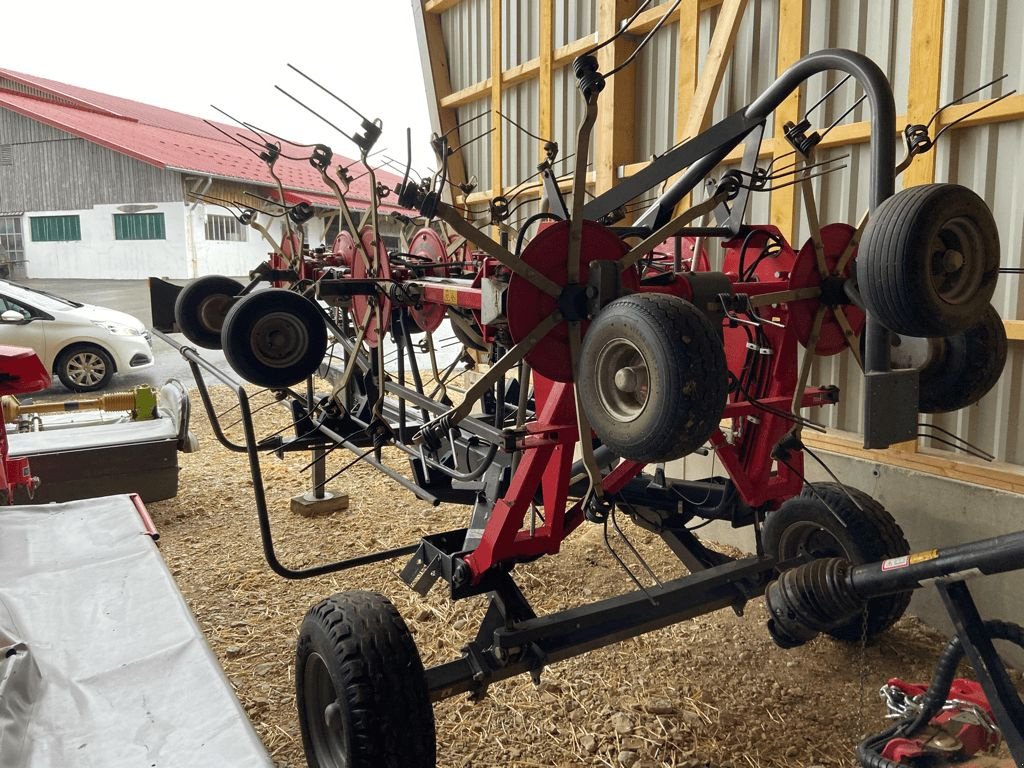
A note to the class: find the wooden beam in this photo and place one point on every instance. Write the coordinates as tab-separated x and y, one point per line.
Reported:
927	461
439	6
645	21
441	77
614	130
792	30
923	87
1010	108
1014	330
687	69
467	95
545	87
534	190
496	145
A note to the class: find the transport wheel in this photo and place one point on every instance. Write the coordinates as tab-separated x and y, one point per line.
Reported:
274	338
807	525
958	370
652	377
84	368
929	260
360	687
201	307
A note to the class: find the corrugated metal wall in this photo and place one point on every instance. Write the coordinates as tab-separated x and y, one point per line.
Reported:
43	159
982	40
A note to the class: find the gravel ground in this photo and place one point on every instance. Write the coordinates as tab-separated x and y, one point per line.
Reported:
713	691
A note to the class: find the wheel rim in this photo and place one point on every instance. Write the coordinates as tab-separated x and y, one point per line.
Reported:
86	369
623	380
912	351
212	311
328	731
810	541
279	340
956	269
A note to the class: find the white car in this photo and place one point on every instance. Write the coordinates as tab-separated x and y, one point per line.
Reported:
83	344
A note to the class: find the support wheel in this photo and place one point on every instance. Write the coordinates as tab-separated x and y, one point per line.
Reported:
360	687
84	368
929	260
274	338
806	526
201	307
652	377
955	371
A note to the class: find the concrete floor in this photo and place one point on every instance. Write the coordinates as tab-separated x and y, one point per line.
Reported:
131	296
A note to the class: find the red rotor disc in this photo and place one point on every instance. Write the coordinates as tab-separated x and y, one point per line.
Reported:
428	244
361	304
831	340
527	305
343	250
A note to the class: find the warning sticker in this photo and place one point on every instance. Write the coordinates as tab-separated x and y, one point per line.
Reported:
922	557
896	562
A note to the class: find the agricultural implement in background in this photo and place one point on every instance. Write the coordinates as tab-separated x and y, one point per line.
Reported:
611	350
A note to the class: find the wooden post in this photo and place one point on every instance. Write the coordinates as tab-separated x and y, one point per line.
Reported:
545	91
441	78
792	30
614	139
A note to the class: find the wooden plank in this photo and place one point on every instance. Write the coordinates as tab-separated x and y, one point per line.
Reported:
645	21
923	87
1007	477
566	53
614	131
719	51
439	6
441	78
545	87
792	30
1010	108
496	122
1014	330
467	95
687	69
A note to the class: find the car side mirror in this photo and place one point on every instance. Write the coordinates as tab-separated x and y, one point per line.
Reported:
12	316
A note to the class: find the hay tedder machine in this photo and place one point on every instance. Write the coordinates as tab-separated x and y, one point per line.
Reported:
611	348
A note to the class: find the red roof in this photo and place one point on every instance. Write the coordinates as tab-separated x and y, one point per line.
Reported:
172	140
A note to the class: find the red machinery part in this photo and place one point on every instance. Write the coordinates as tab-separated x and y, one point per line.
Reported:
361	306
427	244
689	260
832	339
955	733
343	251
527	305
20	371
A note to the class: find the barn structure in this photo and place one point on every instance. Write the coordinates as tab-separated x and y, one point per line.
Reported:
96	186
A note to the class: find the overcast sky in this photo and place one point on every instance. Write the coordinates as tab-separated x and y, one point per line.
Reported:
186	55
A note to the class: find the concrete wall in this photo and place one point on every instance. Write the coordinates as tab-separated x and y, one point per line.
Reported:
933	511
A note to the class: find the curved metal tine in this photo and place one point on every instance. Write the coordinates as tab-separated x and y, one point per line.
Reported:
465	144
973	449
521	128
834	476
316	114
636	553
258	130
780	157
973	112
285	208
840	119
824	98
957	100
329	93
622	29
228	135
785	171
465	122
622	564
643	43
773	187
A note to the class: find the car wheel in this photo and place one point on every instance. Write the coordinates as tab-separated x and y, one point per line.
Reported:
85	368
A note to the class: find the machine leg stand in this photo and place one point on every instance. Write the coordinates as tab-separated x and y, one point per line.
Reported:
317	501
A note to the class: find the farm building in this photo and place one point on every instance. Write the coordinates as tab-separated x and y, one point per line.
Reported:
92	185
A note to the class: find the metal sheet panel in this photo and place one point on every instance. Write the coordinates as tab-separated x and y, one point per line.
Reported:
520	31
467	34
520	150
476	155
656	79
574	20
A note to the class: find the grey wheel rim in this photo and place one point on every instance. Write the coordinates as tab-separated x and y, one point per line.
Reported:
86	369
809	540
623	380
279	340
956	271
328	726
212	311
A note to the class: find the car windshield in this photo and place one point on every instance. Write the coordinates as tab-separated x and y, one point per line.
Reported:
41	299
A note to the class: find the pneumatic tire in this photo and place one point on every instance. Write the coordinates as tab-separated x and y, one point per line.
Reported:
652	379
202	306
929	259
274	338
360	687
805	526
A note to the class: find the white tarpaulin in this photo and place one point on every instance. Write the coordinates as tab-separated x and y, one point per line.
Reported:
101	662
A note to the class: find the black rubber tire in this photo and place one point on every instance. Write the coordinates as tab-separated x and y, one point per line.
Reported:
354	650
683	358
84	356
965	366
804	525
274	338
897	254
202	306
